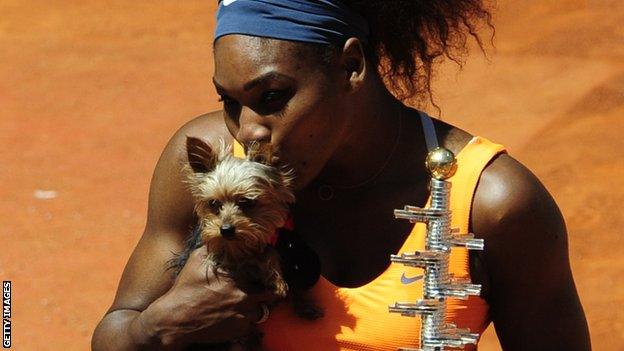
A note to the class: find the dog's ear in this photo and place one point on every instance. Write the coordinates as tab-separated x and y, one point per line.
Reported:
287	176
201	157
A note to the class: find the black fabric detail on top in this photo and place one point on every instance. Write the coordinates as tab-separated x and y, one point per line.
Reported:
300	264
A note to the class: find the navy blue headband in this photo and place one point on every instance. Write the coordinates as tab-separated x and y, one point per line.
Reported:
310	21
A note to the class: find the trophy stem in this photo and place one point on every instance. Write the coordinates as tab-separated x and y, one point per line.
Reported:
439	284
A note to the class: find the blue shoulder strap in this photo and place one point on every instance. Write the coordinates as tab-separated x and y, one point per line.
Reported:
430	134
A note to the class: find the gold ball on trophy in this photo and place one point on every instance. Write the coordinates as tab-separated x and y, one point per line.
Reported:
441	163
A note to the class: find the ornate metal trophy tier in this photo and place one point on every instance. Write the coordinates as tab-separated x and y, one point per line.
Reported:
439	284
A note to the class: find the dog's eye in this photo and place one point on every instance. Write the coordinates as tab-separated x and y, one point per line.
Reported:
215	205
245	203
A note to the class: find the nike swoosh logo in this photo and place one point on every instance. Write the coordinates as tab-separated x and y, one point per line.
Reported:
405	280
227	2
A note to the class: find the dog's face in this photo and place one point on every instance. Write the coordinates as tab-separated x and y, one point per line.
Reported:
240	202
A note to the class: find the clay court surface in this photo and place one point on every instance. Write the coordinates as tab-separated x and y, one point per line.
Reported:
90	92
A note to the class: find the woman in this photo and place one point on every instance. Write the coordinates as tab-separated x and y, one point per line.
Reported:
314	78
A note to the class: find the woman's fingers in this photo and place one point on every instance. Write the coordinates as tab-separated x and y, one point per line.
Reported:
267	297
253	307
198	255
256	307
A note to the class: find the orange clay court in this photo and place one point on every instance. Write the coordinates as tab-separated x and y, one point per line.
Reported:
91	91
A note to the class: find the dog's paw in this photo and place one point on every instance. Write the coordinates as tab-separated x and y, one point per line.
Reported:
281	288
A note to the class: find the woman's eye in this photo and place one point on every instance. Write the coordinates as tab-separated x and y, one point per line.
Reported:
274	101
227	101
273	96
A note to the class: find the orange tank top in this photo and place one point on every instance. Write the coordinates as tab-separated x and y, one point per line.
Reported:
358	318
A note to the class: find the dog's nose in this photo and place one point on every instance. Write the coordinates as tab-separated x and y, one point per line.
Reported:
227	231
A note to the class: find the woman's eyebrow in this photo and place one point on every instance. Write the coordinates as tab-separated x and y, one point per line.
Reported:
272	75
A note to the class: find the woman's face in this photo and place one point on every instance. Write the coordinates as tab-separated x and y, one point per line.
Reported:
273	92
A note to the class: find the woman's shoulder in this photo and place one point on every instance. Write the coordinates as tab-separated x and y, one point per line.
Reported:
170	203
523	228
209	127
513	212
506	187
510	196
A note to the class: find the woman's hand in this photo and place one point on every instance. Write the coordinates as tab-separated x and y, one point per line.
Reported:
202	308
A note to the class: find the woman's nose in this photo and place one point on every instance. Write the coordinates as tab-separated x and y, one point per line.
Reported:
252	127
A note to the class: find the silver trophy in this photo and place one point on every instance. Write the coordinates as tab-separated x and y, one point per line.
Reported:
439	284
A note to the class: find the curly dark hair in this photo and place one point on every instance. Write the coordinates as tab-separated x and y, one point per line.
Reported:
408	36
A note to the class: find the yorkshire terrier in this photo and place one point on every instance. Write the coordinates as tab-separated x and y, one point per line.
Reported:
241	206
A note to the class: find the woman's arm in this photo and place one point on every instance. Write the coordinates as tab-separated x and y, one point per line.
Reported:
533	299
151	311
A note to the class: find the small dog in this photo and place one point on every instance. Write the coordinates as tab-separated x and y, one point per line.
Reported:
241	204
